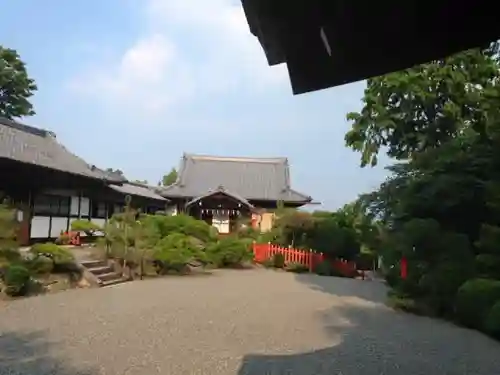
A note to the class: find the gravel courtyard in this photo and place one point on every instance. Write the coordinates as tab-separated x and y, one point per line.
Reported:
233	322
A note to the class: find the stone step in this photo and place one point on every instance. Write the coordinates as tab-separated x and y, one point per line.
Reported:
100	270
109	276
94	263
113	282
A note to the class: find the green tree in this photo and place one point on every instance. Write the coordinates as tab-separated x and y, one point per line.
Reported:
412	110
169	178
440	206
16	88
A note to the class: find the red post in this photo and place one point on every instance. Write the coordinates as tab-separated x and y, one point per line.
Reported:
404	268
310	260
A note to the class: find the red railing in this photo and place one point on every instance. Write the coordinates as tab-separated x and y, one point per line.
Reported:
308	258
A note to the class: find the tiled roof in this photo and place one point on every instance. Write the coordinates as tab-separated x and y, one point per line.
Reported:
137	190
36	146
249	178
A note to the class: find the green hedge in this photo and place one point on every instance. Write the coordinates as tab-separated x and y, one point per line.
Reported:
492	324
474	300
17	279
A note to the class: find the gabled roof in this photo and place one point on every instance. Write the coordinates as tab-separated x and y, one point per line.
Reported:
30	145
221	190
249	178
139	190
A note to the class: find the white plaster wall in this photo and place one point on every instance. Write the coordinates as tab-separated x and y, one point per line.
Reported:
74	205
58	224
85	206
40	227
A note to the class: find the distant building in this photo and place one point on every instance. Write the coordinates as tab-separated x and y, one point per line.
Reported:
53	187
227	190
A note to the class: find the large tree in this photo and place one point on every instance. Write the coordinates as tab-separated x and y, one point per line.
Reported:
16	88
441	204
423	107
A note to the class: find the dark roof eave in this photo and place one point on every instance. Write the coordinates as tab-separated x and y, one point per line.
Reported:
95	178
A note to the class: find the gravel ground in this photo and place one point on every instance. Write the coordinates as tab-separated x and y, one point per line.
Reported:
233	322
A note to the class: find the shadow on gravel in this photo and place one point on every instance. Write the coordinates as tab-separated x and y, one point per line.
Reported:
370	339
29	354
370	290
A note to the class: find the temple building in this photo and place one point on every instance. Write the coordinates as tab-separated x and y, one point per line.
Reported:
53	187
227	191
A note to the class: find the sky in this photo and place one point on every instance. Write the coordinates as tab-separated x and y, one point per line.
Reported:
133	84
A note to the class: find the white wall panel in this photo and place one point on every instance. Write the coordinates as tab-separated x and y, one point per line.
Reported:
40	227
74	205
85	207
58	224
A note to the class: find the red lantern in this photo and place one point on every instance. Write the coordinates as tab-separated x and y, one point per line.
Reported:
404	268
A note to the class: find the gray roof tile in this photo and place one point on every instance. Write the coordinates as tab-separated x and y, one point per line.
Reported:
250	178
36	146
137	190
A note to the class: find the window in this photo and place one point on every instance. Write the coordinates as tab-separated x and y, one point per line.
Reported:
51	205
98	210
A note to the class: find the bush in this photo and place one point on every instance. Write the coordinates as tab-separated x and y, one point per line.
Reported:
440	285
85	226
182	224
297	267
324	268
488	265
50	250
174	252
40	265
268	263
17	279
279	260
474	300
492	324
230	252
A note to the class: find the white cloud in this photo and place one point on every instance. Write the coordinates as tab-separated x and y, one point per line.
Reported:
189	48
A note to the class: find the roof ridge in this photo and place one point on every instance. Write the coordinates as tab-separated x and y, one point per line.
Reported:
27	128
241	159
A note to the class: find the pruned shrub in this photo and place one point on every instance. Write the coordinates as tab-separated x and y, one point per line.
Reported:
86	226
50	250
40	265
174	253
268	263
297	267
492	324
229	252
488	265
278	260
17	279
474	300
324	268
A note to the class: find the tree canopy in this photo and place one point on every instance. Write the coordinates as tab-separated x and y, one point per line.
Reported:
16	87
169	178
410	111
440	205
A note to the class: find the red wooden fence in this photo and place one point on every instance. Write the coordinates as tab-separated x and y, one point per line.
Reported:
308	258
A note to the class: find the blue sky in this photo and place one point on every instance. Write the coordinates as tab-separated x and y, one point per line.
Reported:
132	84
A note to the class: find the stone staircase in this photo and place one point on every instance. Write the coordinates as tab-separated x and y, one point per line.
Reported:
104	273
